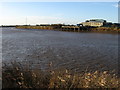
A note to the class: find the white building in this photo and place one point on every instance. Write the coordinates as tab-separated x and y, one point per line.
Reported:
94	22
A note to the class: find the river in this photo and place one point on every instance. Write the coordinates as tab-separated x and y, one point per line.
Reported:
71	50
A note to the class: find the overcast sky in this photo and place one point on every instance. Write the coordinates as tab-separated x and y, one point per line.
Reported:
56	12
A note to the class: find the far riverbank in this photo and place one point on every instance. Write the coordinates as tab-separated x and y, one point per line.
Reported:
75	28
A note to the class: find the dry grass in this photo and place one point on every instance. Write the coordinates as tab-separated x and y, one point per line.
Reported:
106	29
16	76
86	29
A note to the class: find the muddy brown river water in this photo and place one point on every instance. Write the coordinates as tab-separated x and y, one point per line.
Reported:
71	50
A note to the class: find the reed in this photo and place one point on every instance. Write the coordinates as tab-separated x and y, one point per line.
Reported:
17	76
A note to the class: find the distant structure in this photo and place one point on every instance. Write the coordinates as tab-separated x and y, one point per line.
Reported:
94	22
98	23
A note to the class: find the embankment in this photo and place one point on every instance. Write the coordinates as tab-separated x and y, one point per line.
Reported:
74	28
35	27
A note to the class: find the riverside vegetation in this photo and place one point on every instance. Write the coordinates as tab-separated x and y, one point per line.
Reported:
82	29
17	76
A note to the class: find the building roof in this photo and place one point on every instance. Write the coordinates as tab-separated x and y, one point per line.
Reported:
96	20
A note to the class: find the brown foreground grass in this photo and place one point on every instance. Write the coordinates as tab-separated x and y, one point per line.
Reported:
16	76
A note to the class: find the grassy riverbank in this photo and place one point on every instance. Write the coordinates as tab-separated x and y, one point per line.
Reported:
82	29
106	29
15	76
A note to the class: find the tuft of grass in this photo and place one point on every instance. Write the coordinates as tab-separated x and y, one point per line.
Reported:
15	76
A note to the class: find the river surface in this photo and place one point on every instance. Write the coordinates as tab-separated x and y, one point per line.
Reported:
71	50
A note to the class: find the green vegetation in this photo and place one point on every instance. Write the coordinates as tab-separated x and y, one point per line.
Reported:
15	76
